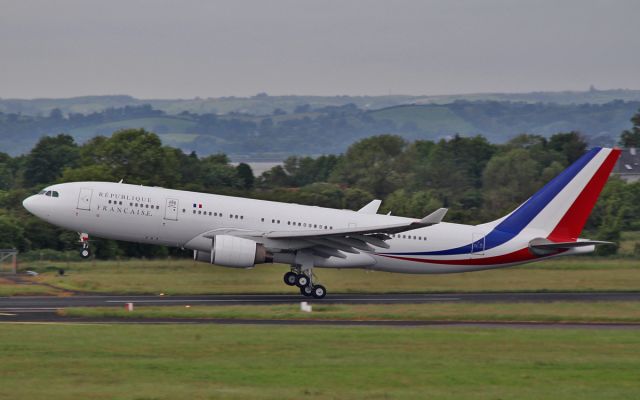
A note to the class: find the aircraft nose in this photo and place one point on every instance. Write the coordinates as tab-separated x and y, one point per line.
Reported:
28	203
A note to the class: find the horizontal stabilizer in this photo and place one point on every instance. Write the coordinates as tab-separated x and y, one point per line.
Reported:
542	246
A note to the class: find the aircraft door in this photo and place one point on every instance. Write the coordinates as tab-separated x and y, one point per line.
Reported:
477	244
84	199
171	210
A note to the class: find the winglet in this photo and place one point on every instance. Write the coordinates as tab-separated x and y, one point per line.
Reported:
435	217
371	208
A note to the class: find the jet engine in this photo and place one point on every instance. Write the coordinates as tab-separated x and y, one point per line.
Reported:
234	252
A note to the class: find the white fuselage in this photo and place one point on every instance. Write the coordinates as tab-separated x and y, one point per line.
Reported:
177	218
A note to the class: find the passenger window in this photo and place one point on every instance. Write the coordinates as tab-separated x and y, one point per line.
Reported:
55	194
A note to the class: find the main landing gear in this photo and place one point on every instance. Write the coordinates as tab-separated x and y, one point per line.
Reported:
85	251
304	280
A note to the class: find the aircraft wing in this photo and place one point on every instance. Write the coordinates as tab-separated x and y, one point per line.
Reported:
332	243
431	219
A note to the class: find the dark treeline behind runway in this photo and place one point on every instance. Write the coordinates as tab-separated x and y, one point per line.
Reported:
477	180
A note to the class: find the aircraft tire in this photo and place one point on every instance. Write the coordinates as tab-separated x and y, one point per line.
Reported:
306	291
319	292
290	278
85	252
302	280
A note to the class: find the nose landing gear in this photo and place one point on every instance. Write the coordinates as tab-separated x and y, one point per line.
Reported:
85	251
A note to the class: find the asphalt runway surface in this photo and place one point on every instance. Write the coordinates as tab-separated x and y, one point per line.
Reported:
43	309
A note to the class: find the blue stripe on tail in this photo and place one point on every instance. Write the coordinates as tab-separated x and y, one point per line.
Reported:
519	219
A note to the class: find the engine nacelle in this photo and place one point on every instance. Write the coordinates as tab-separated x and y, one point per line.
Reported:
234	252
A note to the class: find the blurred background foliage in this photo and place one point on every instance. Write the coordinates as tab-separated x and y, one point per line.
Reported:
477	180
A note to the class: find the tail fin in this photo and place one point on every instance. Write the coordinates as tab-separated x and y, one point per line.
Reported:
560	209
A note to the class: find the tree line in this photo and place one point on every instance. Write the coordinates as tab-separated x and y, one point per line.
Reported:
477	180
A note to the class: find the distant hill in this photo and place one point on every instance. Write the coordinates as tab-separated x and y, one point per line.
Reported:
499	121
316	130
263	104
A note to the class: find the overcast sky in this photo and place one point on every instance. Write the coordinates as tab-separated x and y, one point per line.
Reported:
171	49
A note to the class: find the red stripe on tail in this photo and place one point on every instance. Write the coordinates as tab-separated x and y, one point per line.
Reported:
571	224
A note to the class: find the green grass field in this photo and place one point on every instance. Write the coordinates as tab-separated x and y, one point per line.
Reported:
188	277
283	362
562	312
10	288
426	118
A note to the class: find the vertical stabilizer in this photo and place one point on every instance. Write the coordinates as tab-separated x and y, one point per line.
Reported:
560	209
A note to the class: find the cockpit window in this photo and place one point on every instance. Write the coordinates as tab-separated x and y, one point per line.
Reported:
50	193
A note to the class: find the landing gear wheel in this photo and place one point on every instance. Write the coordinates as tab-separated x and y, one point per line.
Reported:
306	291
302	280
85	252
318	292
290	278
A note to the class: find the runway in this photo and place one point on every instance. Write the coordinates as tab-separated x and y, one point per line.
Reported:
44	309
27	303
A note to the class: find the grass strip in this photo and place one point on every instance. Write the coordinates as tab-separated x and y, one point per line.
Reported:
161	362
605	312
188	277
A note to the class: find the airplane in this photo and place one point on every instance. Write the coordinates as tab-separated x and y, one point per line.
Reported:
241	233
